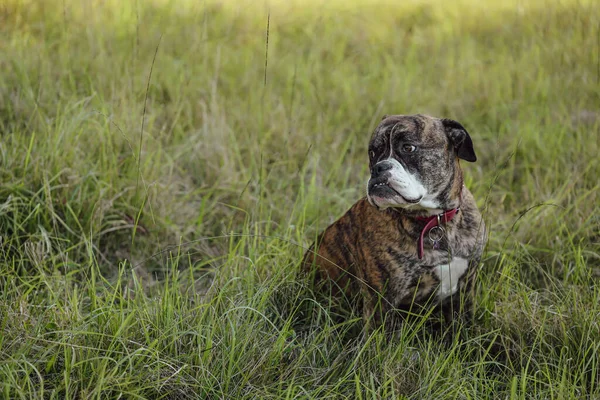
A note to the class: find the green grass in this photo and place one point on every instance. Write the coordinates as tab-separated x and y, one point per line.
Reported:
163	263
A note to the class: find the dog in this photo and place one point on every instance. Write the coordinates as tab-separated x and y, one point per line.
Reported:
414	243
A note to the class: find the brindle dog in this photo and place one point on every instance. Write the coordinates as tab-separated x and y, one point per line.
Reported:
416	240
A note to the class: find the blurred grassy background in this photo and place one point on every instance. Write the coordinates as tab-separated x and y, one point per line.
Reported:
142	127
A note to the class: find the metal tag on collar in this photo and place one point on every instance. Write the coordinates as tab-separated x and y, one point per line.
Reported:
436	233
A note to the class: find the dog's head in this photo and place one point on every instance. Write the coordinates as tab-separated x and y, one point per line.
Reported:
414	162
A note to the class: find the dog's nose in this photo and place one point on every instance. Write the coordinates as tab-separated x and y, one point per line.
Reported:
380	167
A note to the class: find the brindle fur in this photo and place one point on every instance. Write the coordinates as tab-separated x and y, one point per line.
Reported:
374	251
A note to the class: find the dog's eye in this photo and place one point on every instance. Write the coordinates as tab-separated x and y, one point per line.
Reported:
408	148
371	154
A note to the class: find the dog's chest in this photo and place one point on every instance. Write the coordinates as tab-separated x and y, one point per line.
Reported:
449	274
421	279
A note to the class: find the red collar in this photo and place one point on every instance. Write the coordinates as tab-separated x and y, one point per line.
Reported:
432	222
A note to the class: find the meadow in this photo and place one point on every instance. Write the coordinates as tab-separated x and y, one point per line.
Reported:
165	164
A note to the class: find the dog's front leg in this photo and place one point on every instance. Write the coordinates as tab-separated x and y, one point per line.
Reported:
373	308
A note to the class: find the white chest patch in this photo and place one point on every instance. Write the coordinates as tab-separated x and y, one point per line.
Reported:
449	274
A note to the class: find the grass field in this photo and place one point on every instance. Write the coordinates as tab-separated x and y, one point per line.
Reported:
163	170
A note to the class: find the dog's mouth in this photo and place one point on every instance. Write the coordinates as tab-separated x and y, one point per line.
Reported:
382	189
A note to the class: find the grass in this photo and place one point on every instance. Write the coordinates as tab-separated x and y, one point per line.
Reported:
163	171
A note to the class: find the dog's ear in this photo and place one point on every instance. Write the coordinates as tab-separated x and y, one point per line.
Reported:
461	140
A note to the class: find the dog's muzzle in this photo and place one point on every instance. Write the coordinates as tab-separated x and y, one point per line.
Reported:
378	184
386	187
